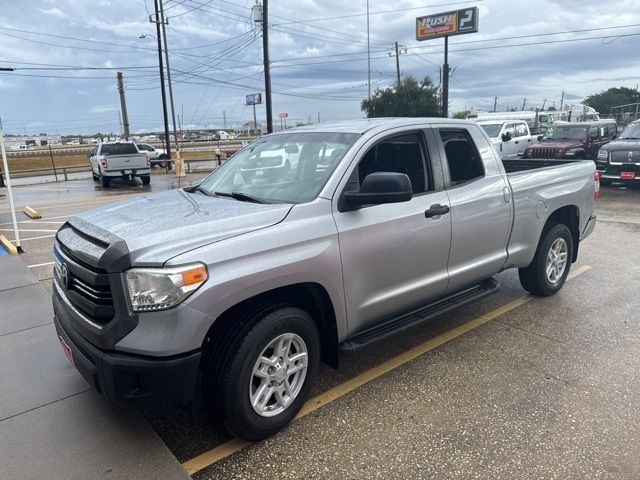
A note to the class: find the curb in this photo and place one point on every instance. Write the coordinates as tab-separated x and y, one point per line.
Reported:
8	246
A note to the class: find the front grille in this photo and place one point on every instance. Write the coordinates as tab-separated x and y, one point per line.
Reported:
86	287
540	152
625	156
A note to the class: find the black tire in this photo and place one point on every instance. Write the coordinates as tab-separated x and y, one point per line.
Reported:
229	373
146	179
534	278
104	181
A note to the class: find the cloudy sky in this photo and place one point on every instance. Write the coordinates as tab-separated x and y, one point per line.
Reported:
533	50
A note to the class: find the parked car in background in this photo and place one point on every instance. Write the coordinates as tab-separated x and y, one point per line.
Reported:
510	137
619	160
242	284
574	140
156	156
119	160
537	121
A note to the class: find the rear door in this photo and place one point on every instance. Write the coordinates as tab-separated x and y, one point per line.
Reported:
521	137
509	147
480	200
394	257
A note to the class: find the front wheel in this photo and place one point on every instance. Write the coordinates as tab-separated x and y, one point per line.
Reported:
550	267
263	381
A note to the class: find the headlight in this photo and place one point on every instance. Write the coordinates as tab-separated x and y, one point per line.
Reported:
161	288
560	152
603	154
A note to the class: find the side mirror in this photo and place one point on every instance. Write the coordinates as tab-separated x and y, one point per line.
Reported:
89	155
506	137
540	137
613	137
381	187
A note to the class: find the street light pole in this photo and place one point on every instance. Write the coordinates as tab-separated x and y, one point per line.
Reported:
368	55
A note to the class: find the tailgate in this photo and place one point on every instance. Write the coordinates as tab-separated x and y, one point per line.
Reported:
126	162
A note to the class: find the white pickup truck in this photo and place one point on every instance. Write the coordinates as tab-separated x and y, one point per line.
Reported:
156	156
510	137
119	159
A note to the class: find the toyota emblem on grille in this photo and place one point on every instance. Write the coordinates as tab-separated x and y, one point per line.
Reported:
63	273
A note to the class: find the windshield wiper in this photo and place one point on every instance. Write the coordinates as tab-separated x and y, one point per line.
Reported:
204	191
629	138
243	197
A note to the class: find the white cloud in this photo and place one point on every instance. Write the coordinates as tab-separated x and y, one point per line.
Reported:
54	12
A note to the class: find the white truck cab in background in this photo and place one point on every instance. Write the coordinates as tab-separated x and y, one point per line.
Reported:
510	137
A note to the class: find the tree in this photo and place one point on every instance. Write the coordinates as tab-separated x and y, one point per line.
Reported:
603	101
552	109
462	115
412	98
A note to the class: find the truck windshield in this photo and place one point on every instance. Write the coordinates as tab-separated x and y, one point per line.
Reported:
285	168
492	129
631	133
566	132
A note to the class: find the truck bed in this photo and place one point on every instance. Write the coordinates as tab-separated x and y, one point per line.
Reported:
521	164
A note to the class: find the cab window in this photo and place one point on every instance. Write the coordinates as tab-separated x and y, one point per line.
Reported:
594	133
510	129
400	154
521	130
463	159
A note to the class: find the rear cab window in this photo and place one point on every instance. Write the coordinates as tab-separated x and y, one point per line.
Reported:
464	161
119	149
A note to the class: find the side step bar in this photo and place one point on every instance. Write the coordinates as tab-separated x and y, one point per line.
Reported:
405	321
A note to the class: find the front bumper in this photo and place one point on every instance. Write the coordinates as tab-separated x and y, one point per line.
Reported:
131	379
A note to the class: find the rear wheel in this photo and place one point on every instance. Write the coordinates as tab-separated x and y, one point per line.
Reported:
550	267
104	181
146	179
263	379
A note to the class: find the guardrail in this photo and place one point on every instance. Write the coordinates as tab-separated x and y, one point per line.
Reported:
62	173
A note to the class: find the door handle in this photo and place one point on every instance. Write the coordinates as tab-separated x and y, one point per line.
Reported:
436	210
517	142
529	140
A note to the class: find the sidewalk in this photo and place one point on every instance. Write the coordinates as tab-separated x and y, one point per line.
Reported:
52	425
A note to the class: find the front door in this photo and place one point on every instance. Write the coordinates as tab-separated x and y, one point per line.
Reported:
394	258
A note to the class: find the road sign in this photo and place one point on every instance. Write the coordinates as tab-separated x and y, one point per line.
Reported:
254	99
283	115
456	22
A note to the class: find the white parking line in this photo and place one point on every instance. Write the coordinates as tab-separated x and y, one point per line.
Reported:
41	264
26	230
33	238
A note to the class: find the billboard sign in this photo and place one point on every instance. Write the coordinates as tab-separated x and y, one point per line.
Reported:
254	99
456	22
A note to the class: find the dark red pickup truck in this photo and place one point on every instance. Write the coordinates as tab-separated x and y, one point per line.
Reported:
573	140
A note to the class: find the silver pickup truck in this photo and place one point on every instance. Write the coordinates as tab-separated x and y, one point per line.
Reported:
254	276
119	160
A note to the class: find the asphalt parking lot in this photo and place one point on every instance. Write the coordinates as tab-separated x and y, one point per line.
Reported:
509	387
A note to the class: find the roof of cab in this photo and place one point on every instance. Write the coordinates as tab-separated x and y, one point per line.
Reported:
366	124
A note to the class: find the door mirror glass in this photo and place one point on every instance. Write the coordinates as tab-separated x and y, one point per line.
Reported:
381	187
506	136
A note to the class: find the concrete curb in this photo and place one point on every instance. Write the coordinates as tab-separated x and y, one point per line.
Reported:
31	213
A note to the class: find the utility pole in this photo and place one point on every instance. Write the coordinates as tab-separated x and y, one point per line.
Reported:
267	66
224	118
180	169
544	103
397	51
318	117
524	102
162	90
445	79
123	106
495	103
368	56
561	101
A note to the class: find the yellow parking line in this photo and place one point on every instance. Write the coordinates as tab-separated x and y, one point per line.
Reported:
232	446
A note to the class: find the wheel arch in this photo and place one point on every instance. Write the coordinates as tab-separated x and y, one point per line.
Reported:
568	215
309	296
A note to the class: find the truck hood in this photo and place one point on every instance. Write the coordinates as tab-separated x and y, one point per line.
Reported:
158	227
624	145
559	143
